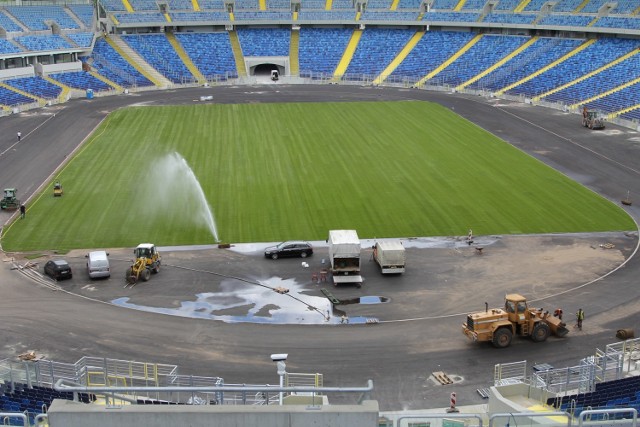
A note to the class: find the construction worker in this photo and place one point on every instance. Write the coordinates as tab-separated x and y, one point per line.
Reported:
558	313
19	136
23	211
579	318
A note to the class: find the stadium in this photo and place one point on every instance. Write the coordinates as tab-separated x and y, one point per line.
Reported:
191	345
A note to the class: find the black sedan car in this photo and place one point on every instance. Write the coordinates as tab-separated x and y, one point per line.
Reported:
58	269
289	249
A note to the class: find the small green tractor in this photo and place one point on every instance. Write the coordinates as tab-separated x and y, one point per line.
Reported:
9	200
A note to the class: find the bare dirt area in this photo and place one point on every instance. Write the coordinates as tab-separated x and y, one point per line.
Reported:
240	286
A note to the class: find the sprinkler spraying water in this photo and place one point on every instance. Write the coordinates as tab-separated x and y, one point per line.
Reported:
181	191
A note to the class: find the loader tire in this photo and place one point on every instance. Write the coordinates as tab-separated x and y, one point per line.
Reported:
540	332
145	275
156	268
502	338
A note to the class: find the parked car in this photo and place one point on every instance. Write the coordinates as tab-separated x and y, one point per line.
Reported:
58	269
289	249
98	264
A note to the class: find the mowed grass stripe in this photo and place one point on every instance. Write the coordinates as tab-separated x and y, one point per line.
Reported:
294	171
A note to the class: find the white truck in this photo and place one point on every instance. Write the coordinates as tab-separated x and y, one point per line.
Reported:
389	254
344	255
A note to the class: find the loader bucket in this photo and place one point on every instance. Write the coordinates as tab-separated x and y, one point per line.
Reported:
561	331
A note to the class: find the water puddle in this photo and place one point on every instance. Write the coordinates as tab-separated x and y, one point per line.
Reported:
241	302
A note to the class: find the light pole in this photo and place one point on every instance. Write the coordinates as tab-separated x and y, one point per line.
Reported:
280	358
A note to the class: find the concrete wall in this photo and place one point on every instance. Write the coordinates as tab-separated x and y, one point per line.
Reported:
64	413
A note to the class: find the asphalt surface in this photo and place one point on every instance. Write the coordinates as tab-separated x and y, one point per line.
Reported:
398	355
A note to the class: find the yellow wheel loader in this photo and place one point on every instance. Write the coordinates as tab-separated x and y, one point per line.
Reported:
499	325
147	261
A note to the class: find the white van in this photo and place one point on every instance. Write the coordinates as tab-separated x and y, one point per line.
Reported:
98	264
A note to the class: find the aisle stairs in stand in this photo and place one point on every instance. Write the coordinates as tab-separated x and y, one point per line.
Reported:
413	41
450	61
182	54
347	56
237	53
137	61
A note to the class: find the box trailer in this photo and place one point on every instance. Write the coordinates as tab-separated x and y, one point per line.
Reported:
389	254
344	256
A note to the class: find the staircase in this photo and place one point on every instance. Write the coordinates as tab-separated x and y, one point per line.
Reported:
74	17
398	59
347	56
185	58
451	60
195	5
66	90
625	110
544	69
294	46
394	5
237	53
137	61
499	64
459	6
127	6
263	4
581	6
328	4
519	8
586	76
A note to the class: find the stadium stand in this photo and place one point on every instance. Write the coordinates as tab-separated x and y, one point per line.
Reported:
604	81
486	52
432	50
626	6
377	48
144	5
198	16
326	15
113	5
180	5
313	4
567	5
211	53
450	17
474	4
246	5
7	47
11	98
566	20
141	18
444	4
589	59
279	4
36	86
618	22
156	50
321	49
264	42
269	15
509	18
378	4
43	43
593	6
35	18
369	15
534	5
342	4
544	51
84	12
409	4
507	5
619	100
211	4
82	39
8	24
114	67
81	80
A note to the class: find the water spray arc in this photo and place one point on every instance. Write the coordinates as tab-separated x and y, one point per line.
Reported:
182	190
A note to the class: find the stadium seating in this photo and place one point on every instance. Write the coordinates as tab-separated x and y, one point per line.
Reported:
567	5
81	80
377	48
507	5
615	76
198	16
378	4
180	5
264	42
114	67
589	59
409	4
312	4
81	39
474	4
36	86
268	15
342	4
444	4
625	98
11	98
156	50
8	24
618	22
450	17
432	50
388	16
321	49
113	5
211	4
141	18
626	6
509	18
246	5
566	20
593	6
534	5
7	47
34	17
326	15
279	4
211	53
43	43
486	52
144	5
541	53
84	12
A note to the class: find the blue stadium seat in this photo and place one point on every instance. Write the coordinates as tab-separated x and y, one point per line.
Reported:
36	86
43	43
114	67
320	49
377	48
264	42
82	39
156	50
7	47
84	12
36	17
81	80
211	53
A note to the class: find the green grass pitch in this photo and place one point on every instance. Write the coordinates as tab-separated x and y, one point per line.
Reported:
274	172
